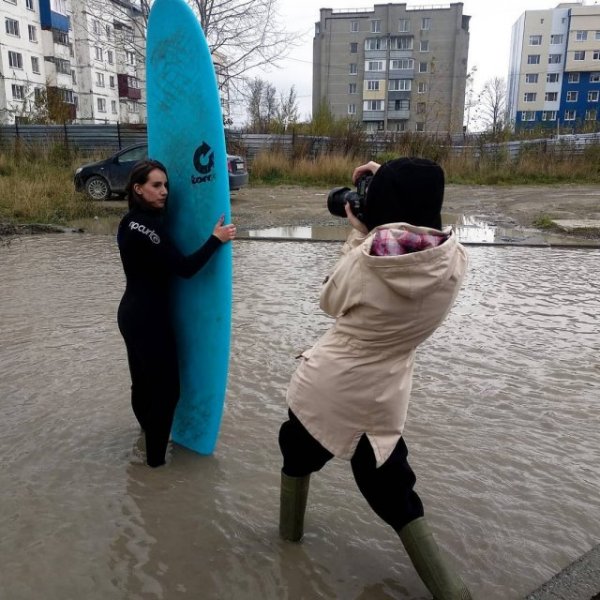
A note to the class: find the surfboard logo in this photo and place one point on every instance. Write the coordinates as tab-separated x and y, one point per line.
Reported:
204	163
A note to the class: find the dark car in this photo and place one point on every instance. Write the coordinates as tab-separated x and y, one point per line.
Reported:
102	179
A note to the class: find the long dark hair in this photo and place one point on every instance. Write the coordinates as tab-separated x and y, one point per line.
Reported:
139	175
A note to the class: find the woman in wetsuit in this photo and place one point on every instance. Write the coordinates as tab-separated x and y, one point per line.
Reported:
150	260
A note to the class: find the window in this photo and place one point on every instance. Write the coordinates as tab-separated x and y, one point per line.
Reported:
354	26
101	103
113	107
424	47
351	109
421	108
352	88
533	59
593	96
35	64
572	96
375	65
596	55
353	47
419	126
60	37
554	59
594	77
531	78
591	114
32	33
29	4
598	35
375	44
581	36
372	85
353	69
111	81
67	96
423	67
535	40
401	104
376	26
98	53
134	107
549	115
130	57
109	57
425	24
579	55
400	85
100	79
552	78
12	27
404	25
402	42
108	32
63	66
15	60
529	97
371	105
556	38
73	76
570	115
421	87
18	91
401	126
573	78
551	96
528	115
96	27
402	64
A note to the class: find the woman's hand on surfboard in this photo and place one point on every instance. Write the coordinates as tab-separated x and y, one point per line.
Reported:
225	233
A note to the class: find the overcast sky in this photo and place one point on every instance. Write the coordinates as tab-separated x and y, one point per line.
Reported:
489	46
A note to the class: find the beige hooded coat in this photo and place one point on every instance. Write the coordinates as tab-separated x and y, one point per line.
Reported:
357	378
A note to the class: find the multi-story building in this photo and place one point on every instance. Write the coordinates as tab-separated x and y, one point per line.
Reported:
393	68
72	61
554	75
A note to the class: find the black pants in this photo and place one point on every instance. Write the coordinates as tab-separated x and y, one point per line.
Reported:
388	489
152	357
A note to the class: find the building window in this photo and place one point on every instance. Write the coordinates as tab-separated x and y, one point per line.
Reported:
556	38
528	115
111	81
35	64
134	107
531	78
573	78
402	64
101	103
352	88
529	97
554	59
535	40
596	55
98	53
421	108
375	44
593	96
551	96
29	4
572	96
109	57
372	85
351	109
113	107
533	59
421	87
598	35
404	25
353	69
552	78
32	29
372	105
425	24
354	26
375	65
376	26
401	126
400	85
108	32
15	60
96	27
18	91
424	47
130	57
73	76
419	126
12	27
579	55
581	36
591	114
353	47
63	66
100	79
549	115
594	77
402	42
401	104
570	115
60	37
423	67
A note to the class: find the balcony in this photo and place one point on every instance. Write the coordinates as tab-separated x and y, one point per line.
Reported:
126	89
52	20
373	115
401	115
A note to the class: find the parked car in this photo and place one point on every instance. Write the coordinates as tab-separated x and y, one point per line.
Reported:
102	179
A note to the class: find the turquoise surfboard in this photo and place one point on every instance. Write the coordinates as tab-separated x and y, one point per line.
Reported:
185	132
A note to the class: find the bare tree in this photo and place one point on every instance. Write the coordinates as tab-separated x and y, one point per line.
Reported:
491	105
287	112
254	104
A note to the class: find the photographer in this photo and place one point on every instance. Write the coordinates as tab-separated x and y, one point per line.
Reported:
394	284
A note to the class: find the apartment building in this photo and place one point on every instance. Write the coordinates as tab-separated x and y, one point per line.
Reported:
554	75
393	68
72	61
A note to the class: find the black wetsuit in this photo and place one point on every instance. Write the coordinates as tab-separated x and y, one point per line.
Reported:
150	260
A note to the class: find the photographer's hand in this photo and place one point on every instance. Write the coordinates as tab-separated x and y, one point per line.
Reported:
354	221
370	167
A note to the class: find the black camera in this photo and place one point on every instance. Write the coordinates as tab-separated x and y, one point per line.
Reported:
357	200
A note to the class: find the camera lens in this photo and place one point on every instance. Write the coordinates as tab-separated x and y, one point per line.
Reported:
336	201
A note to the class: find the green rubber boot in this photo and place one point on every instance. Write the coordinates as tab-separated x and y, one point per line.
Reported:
430	563
294	492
